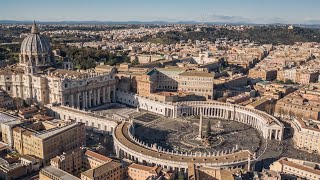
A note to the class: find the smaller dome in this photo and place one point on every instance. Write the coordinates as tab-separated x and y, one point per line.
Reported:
290	27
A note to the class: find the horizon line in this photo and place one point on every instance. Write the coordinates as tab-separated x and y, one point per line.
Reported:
154	21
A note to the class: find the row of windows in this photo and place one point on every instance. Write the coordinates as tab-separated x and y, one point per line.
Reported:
198	90
168	82
193	83
168	87
93	125
297	107
299	172
311	137
166	77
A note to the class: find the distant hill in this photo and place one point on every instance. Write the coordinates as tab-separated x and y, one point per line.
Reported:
108	22
308	24
115	22
84	22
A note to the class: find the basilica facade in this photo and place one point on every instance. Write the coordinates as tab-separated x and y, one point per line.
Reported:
37	78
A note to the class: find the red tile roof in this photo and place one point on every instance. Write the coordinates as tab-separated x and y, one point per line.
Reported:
97	156
298	166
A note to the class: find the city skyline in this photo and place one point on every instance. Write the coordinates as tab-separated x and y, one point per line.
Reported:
230	11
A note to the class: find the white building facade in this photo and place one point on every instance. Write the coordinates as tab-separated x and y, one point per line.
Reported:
35	80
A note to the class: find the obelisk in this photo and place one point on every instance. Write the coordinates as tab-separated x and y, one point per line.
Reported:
200	127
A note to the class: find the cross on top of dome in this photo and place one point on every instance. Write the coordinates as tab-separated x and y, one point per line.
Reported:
34	29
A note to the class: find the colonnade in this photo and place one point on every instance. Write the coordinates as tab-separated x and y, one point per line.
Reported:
176	168
125	148
269	126
257	120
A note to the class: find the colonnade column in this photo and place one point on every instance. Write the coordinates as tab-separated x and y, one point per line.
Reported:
233	114
280	135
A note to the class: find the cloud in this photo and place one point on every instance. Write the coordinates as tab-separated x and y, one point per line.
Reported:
260	20
310	21
271	20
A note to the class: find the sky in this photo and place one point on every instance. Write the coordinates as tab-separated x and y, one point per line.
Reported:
249	11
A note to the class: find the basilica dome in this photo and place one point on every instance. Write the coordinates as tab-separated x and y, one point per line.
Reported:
36	48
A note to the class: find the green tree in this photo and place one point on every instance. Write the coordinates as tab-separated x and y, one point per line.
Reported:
289	81
12	60
180	176
263	34
135	62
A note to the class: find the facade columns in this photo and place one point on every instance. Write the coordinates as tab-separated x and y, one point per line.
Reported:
94	97
84	100
90	96
114	93
71	103
108	94
104	94
276	134
86	97
99	97
78	100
